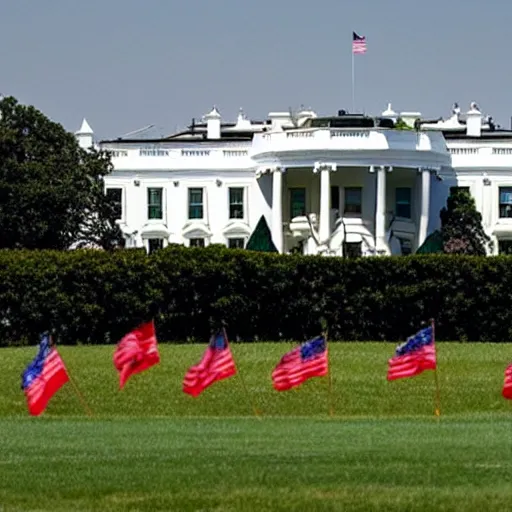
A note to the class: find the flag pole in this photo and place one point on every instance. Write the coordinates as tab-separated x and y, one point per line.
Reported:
251	401
353	79
438	394
75	387
329	380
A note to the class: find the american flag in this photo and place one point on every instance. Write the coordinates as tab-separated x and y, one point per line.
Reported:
507	384
358	43
302	363
415	356
43	377
137	351
216	364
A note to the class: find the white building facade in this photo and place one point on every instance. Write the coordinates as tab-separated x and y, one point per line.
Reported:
345	185
481	157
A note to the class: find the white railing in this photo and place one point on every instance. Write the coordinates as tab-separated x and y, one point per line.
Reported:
348	139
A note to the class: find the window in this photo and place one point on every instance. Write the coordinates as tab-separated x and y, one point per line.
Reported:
195	204
505	246
297	202
116	196
506	202
403	202
197	242
236	243
155	210
154	244
335	198
353	199
405	246
236	203
352	249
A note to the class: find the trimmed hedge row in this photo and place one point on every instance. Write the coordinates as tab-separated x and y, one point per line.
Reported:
90	296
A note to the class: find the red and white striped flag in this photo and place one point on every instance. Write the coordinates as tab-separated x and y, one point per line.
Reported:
302	363
358	43
216	364
136	352
43	377
507	384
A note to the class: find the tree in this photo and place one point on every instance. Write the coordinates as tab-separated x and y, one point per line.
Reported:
461	225
51	190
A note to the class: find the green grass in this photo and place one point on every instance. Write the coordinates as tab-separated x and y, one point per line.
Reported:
151	447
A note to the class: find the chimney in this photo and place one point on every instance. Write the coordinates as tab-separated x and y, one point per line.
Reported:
213	124
84	135
474	121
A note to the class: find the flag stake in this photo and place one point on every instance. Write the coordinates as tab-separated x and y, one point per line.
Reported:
329	380
436	379
75	387
254	408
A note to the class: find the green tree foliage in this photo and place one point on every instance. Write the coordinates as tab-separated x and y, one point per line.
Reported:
51	190
461	225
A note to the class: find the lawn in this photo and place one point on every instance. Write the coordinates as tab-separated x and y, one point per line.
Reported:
151	447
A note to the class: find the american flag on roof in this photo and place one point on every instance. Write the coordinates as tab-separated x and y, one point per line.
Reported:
358	43
414	356
306	361
216	364
43	377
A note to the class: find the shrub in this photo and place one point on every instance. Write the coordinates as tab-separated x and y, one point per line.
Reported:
90	296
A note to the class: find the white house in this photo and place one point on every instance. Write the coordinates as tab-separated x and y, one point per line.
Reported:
337	185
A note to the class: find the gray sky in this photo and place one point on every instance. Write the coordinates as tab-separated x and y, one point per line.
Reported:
124	64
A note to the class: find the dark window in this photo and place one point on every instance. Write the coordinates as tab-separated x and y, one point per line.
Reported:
236	203
505	246
405	246
353	199
155	244
403	202
352	249
236	243
155	210
297	202
195	203
116	196
197	242
505	202
335	198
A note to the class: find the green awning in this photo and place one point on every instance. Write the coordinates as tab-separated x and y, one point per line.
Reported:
261	238
433	244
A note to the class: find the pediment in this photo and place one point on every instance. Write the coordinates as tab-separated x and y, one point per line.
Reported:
237	227
155	230
196	229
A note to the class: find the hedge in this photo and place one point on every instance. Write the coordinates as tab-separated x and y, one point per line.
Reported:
90	296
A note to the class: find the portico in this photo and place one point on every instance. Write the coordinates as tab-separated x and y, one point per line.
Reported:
359	190
324	208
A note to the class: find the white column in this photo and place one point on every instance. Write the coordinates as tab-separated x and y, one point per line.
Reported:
277	208
380	210
424	205
324	231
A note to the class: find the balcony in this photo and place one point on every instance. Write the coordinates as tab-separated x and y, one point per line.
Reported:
420	148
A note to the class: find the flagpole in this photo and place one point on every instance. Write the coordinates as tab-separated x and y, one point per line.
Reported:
438	394
251	401
75	387
329	380
353	82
